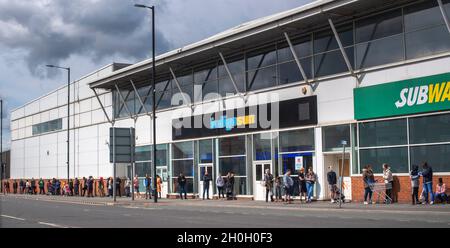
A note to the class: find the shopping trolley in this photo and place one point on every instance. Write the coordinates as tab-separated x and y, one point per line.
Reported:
380	190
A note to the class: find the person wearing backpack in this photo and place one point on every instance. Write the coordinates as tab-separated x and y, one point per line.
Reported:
414	175
148	187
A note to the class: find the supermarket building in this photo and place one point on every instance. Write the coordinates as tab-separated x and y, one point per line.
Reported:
375	74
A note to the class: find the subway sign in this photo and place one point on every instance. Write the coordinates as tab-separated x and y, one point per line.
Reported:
412	96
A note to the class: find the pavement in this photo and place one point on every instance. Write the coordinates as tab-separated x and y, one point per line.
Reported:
59	212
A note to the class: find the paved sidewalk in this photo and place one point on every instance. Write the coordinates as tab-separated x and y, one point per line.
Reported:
318	205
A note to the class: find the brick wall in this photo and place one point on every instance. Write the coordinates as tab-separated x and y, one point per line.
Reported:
401	190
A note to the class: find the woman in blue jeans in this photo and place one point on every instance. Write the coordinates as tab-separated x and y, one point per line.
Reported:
368	179
310	181
427	174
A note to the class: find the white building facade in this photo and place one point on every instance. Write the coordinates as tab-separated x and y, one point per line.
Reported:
335	69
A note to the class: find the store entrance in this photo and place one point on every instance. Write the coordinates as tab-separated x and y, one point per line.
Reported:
201	172
162	172
259	169
335	160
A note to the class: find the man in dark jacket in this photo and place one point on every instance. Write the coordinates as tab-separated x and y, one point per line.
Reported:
21	186
15	186
332	181
84	188
206	181
76	186
118	181
268	183
182	186
427	174
41	187
33	186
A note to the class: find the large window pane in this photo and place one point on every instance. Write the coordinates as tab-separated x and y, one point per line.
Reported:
161	155
262	146
288	162
203	75
142	153
143	169
430	129
302	48
163	99
235	65
232	146
423	15
379	52
379	26
427	42
262	58
396	158
205	151
226	85
289	72
332	62
232	164
325	41
297	140
436	156
183	166
182	150
262	78
332	137
382	133
210	90
189	185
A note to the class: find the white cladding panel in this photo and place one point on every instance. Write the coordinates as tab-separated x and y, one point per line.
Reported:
18	113
49	101
32	108
85	119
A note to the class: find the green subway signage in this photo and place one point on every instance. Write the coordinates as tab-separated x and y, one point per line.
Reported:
418	95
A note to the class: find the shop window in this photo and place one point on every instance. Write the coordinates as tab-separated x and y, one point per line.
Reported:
183	166
379	52
182	150
161	155
142	153
288	162
332	62
235	164
302	48
326	41
210	90
189	185
289	72
236	65
437	156
333	136
382	133
205	151
226	86
262	78
379	26
142	169
297	140
396	158
423	15
429	129
163	99
232	146
146	97
262	146
427	42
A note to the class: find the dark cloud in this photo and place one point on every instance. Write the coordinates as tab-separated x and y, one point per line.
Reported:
52	31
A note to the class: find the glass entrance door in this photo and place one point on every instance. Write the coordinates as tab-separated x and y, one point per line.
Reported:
162	172
259	169
201	172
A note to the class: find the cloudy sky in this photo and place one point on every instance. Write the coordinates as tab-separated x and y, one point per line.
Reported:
88	34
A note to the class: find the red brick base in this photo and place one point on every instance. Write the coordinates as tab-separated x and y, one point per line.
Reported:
401	189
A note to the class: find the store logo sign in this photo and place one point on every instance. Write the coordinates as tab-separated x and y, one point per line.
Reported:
433	93
418	95
230	123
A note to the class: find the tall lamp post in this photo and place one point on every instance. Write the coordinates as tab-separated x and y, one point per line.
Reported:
1	143
68	113
154	99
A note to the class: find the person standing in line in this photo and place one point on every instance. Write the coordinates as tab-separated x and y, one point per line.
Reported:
268	183
389	182
332	183
158	186
277	187
414	175
368	180
101	187
70	187
182	186
311	179
136	186
427	175
41	187
206	182
5	187
15	186
84	187
21	186
27	187
302	184
148	187
90	187
128	187
33	186
110	187
220	183
118	189
288	186
76	187
441	196
230	186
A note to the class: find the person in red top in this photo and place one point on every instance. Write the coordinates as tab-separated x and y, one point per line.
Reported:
440	194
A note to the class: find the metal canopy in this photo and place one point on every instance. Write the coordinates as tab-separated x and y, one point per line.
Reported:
248	35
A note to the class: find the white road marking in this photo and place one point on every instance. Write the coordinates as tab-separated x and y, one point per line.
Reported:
52	225
12	217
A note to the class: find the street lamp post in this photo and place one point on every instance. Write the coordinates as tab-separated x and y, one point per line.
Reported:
68	114
1	143
154	99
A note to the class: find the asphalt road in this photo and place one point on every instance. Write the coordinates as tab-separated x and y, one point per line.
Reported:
19	213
